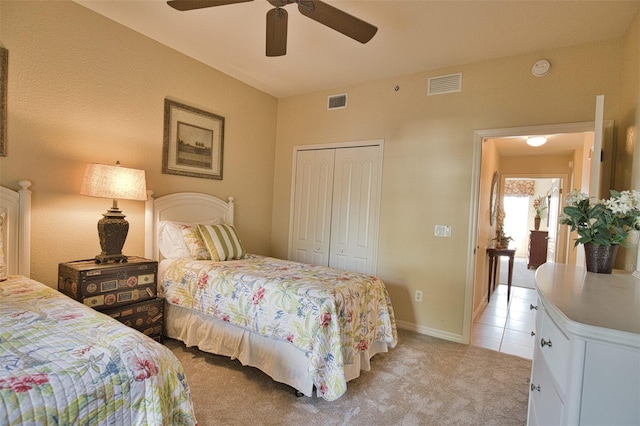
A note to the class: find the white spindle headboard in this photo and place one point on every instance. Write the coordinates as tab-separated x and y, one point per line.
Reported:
16	235
188	207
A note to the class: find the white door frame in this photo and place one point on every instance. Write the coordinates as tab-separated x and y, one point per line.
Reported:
479	137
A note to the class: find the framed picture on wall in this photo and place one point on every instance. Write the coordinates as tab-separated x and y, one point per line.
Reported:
4	71
193	141
493	201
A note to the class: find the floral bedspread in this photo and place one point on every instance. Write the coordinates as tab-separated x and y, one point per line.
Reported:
62	363
330	314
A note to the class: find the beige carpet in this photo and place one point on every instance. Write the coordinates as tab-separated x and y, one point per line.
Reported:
423	381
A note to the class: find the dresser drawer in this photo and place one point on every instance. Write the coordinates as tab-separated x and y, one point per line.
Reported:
555	349
539	308
545	405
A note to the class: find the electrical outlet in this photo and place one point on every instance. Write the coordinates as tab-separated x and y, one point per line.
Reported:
442	231
418	296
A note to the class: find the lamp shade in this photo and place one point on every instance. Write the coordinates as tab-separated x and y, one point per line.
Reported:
113	181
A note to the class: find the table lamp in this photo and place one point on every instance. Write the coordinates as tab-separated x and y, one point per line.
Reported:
117	183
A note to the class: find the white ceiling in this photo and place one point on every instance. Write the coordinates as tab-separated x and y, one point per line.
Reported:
557	144
413	36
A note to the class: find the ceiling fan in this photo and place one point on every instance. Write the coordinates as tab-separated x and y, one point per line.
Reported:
317	10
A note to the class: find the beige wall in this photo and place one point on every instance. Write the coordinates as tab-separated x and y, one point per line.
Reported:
486	232
85	89
627	172
428	160
627	136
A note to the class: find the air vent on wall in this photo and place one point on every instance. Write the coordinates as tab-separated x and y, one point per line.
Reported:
337	101
451	83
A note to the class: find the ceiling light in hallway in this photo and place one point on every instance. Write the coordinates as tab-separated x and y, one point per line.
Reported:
536	140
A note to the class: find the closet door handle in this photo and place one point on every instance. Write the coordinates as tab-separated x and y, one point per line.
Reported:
544	343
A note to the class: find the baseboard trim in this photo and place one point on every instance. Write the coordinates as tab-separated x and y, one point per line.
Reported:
405	325
480	308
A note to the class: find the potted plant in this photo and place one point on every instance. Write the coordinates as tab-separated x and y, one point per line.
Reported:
539	205
602	225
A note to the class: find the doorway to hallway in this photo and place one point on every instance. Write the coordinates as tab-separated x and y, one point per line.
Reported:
569	141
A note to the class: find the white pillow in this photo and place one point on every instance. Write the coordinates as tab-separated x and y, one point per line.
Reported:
171	241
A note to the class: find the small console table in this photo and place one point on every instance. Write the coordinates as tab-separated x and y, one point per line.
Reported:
494	254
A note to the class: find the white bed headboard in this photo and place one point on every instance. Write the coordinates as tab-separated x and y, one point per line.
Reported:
189	207
16	238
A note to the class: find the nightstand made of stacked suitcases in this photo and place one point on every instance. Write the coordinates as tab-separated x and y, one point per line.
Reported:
125	291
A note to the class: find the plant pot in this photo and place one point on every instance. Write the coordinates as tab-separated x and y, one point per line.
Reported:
600	259
536	223
627	257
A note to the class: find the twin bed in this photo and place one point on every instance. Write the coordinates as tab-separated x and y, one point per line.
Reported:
62	362
311	327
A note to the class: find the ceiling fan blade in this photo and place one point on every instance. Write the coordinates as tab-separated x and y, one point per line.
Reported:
340	21
277	32
183	5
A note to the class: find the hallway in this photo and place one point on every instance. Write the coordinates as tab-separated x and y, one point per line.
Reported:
506	327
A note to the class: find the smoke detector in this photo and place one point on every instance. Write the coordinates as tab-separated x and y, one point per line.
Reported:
540	68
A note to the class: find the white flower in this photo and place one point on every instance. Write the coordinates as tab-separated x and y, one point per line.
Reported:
625	203
574	197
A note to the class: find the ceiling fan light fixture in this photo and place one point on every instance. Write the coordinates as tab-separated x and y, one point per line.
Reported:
536	140
276	32
317	10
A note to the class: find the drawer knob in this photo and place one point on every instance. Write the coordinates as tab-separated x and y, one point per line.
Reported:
533	333
535	388
544	343
531	307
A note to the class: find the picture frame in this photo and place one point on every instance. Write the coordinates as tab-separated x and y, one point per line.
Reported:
493	200
4	79
193	141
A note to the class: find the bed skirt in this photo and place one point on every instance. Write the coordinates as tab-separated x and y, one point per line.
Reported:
280	360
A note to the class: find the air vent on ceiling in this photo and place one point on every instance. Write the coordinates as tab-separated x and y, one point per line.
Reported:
451	83
337	101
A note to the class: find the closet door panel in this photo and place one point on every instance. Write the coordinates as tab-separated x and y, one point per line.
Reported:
356	197
312	206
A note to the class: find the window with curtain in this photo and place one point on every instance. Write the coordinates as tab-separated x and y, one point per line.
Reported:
519	188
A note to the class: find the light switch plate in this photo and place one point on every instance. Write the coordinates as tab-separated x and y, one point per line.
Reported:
442	231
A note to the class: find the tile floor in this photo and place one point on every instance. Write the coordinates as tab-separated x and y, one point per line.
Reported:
506	327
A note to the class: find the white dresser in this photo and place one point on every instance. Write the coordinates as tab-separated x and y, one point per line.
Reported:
586	362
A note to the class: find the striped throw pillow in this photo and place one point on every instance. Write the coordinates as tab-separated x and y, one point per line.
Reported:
222	241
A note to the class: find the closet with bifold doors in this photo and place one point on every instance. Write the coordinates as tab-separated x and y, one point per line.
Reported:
335	205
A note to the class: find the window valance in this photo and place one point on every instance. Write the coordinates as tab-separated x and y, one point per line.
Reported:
519	188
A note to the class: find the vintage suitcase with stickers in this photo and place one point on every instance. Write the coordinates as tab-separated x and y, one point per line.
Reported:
111	285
